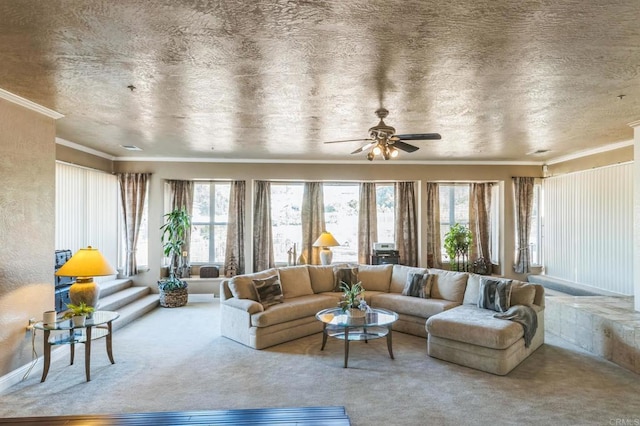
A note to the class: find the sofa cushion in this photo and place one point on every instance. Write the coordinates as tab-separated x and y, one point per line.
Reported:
399	276
295	281
470	324
292	309
418	285
472	291
522	293
347	275
448	285
375	277
494	294
322	278
414	306
268	290
241	286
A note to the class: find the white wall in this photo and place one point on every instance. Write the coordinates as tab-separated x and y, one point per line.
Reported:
588	227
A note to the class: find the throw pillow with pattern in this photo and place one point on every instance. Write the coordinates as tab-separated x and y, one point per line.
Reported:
418	285
269	291
348	276
494	294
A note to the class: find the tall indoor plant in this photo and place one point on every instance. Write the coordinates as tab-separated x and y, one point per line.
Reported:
173	290
457	243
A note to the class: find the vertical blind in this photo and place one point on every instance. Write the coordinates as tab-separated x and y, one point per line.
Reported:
86	210
588	227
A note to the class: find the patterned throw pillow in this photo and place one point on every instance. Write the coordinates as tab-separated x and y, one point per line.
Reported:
418	285
269	291
347	275
494	294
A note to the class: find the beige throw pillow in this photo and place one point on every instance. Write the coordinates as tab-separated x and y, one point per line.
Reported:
295	281
522	294
375	277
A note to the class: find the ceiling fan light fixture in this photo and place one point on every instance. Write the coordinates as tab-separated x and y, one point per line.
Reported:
393	152
376	150
370	156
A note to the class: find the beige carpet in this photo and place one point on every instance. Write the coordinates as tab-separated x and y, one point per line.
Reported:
175	359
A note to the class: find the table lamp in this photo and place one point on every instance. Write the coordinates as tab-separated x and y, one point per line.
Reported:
84	265
326	240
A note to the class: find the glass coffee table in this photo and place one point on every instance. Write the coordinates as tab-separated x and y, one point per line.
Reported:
374	325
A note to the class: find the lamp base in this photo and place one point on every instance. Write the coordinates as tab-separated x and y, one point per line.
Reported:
84	291
326	256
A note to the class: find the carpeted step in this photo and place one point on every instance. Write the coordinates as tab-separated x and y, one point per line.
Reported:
112	286
136	309
115	301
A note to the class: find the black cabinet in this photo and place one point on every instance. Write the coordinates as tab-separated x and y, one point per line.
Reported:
384	260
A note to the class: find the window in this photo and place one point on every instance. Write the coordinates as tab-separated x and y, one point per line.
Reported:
454	208
286	219
209	222
386	211
341	219
535	235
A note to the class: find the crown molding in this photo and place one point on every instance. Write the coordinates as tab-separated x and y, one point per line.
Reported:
26	103
82	148
634	123
588	152
351	162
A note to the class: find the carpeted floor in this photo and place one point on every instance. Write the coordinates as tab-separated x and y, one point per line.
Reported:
175	359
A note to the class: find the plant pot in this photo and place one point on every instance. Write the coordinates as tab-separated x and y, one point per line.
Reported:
78	320
356	313
173	298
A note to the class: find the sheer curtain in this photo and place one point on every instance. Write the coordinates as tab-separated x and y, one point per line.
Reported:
312	221
263	256
432	226
235	228
181	197
480	220
523	193
406	223
133	191
367	221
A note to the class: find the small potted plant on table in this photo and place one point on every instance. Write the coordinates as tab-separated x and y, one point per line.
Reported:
353	303
78	313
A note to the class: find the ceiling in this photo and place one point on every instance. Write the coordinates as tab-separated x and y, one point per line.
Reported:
274	79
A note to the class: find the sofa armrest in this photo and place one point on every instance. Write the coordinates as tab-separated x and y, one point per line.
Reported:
250	306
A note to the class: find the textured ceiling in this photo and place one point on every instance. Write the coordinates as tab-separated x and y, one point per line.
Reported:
274	79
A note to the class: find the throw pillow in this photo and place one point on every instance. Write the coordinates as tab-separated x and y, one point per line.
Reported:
418	285
494	294
348	276
269	291
523	294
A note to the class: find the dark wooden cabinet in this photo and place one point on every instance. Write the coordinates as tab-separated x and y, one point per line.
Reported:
385	260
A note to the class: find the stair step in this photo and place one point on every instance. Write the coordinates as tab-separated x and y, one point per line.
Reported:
116	300
112	286
136	309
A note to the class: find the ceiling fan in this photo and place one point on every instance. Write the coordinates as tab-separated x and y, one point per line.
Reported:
383	140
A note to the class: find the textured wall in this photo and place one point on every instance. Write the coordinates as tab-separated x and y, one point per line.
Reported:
27	197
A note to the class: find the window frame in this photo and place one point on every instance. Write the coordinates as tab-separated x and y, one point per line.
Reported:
212	223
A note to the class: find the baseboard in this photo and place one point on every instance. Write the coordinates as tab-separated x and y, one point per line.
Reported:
16	376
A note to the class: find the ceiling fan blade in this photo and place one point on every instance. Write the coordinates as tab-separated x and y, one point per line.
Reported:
363	147
405	146
350	140
420	136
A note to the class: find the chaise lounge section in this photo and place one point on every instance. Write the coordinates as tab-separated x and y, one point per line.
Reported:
456	328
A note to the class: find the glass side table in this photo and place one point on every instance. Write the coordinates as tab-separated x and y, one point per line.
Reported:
96	327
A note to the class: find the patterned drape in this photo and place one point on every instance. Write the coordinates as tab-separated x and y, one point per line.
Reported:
406	223
262	230
133	191
181	197
367	222
312	221
235	227
523	193
480	220
432	226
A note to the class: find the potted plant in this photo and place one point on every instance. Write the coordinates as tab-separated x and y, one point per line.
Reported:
353	303
78	313
173	290
456	243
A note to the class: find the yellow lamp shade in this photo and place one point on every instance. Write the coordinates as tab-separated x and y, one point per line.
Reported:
326	240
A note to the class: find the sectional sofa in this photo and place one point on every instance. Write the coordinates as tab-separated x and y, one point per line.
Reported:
457	330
